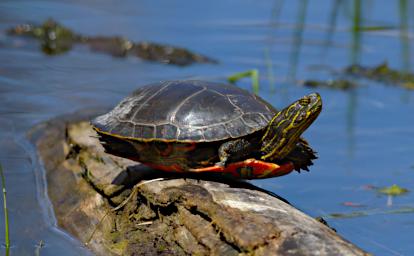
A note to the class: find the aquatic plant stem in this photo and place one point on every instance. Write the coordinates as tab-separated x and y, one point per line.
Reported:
6	215
39	246
297	40
356	29
269	66
404	35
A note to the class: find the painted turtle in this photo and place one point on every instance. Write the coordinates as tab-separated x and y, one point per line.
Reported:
200	126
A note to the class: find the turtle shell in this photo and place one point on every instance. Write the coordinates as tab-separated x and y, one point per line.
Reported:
188	110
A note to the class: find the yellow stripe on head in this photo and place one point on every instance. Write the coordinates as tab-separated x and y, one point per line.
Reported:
286	127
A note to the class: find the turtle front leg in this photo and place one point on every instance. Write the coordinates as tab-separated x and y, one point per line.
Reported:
234	150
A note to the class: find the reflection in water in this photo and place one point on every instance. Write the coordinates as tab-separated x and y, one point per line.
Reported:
333	16
351	109
297	40
356	32
269	69
352	95
404	38
405	41
273	24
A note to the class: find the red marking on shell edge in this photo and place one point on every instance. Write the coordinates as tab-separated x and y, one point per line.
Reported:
191	146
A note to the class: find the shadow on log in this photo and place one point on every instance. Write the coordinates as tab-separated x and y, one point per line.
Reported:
117	207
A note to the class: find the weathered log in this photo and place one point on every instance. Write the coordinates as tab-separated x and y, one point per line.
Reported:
118	207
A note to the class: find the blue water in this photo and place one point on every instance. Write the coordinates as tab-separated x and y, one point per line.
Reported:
364	137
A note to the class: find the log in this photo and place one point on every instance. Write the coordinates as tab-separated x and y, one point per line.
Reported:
118	207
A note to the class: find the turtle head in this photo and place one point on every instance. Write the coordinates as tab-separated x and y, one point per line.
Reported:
286	127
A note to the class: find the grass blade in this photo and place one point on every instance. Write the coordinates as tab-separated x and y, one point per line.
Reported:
253	74
6	215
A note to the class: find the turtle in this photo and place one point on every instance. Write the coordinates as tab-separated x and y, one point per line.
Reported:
201	126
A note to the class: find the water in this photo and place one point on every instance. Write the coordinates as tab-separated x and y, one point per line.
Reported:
364	137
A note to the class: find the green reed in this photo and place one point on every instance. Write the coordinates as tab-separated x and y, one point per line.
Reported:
6	215
253	74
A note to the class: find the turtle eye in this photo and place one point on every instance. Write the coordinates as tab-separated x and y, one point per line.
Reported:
299	118
304	101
